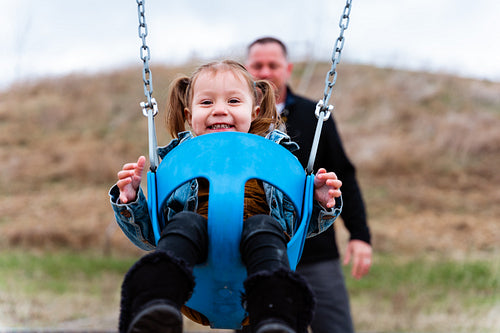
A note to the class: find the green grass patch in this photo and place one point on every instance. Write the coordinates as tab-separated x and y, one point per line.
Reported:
434	282
389	273
400	294
58	272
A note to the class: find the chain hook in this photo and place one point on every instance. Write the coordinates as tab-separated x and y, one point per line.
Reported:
148	106
326	110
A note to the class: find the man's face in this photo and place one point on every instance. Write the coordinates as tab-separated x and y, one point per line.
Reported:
268	62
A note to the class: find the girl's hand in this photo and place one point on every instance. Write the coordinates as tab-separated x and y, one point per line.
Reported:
129	180
326	188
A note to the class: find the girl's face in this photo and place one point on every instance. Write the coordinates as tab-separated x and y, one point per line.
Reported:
221	102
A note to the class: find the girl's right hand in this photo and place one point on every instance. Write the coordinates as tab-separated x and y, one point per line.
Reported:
129	180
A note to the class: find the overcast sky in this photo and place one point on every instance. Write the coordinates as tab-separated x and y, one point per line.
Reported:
56	37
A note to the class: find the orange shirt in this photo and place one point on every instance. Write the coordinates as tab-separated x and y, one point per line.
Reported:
255	198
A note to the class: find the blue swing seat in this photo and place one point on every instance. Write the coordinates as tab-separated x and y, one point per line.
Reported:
228	161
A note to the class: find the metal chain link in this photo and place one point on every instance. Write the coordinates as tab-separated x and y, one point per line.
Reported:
147	75
331	76
149	108
323	109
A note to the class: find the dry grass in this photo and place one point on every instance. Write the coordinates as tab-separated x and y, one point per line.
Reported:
427	149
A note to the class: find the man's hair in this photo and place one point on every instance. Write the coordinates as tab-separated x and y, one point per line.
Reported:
267	40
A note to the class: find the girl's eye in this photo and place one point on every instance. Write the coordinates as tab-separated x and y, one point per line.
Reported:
234	100
206	102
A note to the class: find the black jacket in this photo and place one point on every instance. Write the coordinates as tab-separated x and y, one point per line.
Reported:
301	125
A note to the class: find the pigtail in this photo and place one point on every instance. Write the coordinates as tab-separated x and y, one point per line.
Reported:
268	117
175	120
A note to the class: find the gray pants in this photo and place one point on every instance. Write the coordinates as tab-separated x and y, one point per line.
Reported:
332	314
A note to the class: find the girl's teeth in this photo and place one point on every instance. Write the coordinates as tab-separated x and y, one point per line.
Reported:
220	126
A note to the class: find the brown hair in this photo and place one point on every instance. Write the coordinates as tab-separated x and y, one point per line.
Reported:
181	92
268	40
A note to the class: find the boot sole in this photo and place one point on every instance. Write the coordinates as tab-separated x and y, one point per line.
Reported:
275	328
157	318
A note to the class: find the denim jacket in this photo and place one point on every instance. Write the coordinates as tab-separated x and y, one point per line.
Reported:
133	218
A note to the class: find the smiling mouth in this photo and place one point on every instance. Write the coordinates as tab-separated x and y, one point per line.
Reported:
220	126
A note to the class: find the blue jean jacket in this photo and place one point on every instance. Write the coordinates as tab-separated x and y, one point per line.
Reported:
133	218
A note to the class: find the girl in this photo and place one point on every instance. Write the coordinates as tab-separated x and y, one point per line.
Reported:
219	96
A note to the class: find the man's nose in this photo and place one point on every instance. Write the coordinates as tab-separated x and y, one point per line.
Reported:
265	73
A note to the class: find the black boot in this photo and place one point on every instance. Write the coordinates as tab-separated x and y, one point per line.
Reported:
278	302
153	291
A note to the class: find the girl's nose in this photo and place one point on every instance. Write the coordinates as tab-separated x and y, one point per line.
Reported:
219	109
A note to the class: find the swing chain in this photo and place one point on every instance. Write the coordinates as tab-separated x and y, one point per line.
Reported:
323	109
331	76
149	108
147	75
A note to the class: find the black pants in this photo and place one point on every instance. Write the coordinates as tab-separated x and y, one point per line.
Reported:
262	246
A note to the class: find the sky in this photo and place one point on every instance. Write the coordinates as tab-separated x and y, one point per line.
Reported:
59	37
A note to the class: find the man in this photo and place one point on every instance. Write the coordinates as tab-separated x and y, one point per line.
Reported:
320	264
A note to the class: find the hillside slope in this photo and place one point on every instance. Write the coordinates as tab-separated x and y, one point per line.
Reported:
426	147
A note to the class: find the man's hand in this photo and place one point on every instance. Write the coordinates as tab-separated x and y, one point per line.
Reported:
361	254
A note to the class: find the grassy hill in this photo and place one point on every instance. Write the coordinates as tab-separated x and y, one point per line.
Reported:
427	150
426	147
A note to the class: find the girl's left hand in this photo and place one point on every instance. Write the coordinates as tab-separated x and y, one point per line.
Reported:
326	188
